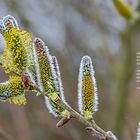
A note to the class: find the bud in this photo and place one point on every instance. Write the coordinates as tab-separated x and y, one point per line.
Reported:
87	89
10	21
125	10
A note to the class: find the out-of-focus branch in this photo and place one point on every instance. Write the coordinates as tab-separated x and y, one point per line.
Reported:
5	136
123	80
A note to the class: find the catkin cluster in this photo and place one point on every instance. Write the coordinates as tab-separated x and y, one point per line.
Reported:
26	56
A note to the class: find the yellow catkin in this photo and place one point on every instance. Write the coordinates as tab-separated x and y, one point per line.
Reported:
18	99
7	62
19	44
17	89
125	9
45	70
13	91
88	94
45	73
87	89
16	85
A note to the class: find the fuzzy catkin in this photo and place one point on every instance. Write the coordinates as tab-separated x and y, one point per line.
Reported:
87	89
17	43
18	47
47	78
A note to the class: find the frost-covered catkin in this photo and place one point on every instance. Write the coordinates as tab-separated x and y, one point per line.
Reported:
138	132
46	76
45	73
13	91
18	47
87	89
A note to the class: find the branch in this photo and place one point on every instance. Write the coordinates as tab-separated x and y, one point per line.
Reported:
74	114
123	79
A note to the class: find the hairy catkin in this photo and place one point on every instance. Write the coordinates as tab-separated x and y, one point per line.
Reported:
48	80
18	47
87	89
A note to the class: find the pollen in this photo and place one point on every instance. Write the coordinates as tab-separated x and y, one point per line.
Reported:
18	44
18	54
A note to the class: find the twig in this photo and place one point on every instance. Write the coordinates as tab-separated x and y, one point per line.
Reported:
74	114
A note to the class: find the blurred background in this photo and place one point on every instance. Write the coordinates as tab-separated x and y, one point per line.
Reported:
71	29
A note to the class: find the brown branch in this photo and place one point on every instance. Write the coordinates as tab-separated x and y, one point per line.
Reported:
74	114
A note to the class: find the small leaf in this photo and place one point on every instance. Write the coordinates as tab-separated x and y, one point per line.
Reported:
87	89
